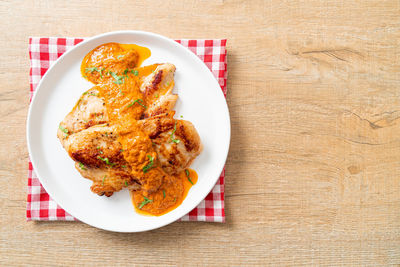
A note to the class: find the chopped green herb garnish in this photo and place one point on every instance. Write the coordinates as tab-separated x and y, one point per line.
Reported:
106	160
187	175
145	201
126	183
163	192
90	93
174	199
123	166
126	71
139	101
63	130
135	72
82	166
156	95
176	141
118	79
91	69
105	176
167	84
150	165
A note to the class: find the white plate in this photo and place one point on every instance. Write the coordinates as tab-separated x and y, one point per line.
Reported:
200	101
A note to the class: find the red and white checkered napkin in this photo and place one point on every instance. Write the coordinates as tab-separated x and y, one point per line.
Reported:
44	51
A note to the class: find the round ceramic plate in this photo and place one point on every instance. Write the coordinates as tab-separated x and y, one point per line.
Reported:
200	101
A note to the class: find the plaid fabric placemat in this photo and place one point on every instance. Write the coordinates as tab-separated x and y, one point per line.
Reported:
43	52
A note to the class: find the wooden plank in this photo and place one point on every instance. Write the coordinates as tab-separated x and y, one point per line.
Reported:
313	170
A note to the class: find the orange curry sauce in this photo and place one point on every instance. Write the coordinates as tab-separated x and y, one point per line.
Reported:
115	69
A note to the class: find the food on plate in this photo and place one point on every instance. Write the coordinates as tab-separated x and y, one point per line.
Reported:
122	132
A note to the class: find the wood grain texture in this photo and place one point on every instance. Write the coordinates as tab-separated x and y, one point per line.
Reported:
313	173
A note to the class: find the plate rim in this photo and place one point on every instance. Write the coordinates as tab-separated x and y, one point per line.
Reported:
91	39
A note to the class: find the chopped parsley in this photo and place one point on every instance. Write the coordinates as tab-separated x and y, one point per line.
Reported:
123	166
145	201
82	166
118	79
163	192
91	69
167	84
90	93
150	165
126	71
176	141
187	175
63	130
139	101
106	160
126	183
135	72
105	176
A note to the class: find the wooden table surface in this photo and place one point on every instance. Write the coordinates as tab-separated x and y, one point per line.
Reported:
313	172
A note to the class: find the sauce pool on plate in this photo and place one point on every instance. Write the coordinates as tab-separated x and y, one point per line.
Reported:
168	197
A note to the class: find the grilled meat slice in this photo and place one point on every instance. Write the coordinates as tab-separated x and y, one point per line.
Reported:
98	157
88	111
160	81
176	142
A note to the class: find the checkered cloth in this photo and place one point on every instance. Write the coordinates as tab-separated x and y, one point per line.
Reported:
43	52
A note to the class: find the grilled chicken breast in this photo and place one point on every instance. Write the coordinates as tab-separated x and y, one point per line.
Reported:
157	90
88	111
98	157
161	79
163	104
176	142
92	142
